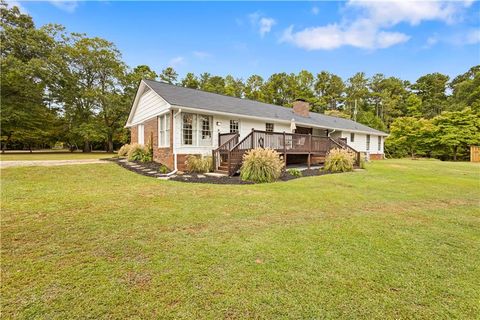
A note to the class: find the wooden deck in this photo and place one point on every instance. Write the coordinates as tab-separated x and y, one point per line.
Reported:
228	156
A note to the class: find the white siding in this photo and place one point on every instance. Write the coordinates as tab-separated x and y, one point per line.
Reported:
149	105
360	142
223	126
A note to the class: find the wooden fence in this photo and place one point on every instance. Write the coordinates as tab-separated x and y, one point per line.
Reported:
474	153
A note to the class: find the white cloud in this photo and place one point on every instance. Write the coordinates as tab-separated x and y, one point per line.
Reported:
473	37
390	13
266	25
263	24
368	29
201	54
68	5
315	10
334	36
14	3
176	61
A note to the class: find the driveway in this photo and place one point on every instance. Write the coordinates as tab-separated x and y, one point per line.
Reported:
47	163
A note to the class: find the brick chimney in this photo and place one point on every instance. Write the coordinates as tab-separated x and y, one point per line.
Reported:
301	107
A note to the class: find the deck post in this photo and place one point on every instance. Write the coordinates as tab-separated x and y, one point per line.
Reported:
285	149
229	162
253	139
213	161
309	149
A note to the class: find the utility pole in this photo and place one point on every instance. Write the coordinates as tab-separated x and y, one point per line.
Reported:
355	111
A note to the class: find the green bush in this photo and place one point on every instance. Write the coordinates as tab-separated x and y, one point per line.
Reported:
295	172
196	164
163	169
261	165
123	152
339	160
141	153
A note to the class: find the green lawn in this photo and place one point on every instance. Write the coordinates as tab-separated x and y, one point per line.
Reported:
401	240
53	155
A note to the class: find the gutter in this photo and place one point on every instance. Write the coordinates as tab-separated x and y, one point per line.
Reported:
205	111
175	169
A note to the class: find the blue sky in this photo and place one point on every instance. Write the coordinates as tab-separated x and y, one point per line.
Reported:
398	38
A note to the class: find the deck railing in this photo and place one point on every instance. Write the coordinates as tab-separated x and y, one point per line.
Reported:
232	150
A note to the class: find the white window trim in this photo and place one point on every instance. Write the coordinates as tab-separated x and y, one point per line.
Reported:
238	125
197	131
162	122
141	134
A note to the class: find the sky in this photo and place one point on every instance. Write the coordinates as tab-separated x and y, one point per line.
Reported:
405	39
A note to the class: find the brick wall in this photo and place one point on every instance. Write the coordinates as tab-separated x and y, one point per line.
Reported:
162	155
376	156
134	134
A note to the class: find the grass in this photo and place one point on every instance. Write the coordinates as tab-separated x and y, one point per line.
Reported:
400	240
53	155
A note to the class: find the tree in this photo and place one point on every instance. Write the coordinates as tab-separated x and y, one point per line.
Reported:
215	84
329	89
466	90
254	88
371	120
357	93
234	87
431	89
408	136
25	58
169	75
457	130
89	88
190	81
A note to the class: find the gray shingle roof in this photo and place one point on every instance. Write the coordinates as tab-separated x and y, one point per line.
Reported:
192	98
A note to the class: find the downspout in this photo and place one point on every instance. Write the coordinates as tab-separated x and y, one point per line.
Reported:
329	133
175	169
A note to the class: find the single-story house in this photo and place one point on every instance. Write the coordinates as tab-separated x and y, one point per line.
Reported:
178	122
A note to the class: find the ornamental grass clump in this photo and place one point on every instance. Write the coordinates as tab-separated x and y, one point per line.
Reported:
339	160
137	152
123	152
295	172
261	165
196	164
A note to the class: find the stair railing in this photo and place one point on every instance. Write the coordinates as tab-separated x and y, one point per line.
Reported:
223	151
343	145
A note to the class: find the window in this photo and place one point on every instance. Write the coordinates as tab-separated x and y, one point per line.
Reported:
164	130
379	143
197	130
188	122
141	134
234	126
352	137
368	142
205	124
269	127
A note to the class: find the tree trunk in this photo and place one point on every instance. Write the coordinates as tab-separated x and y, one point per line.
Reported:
87	147
110	143
455	153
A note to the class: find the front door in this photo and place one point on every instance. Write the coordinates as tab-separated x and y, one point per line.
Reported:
303	130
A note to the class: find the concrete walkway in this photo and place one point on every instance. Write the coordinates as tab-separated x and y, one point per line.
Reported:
47	163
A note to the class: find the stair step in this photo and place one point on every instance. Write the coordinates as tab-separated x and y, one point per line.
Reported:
221	171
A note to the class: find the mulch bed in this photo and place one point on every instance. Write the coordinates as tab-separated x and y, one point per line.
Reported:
202	178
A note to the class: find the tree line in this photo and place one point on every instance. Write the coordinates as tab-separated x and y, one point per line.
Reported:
62	86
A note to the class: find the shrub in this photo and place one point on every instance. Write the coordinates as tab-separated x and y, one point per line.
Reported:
141	153
123	150
339	160
261	165
295	172
163	169
197	164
